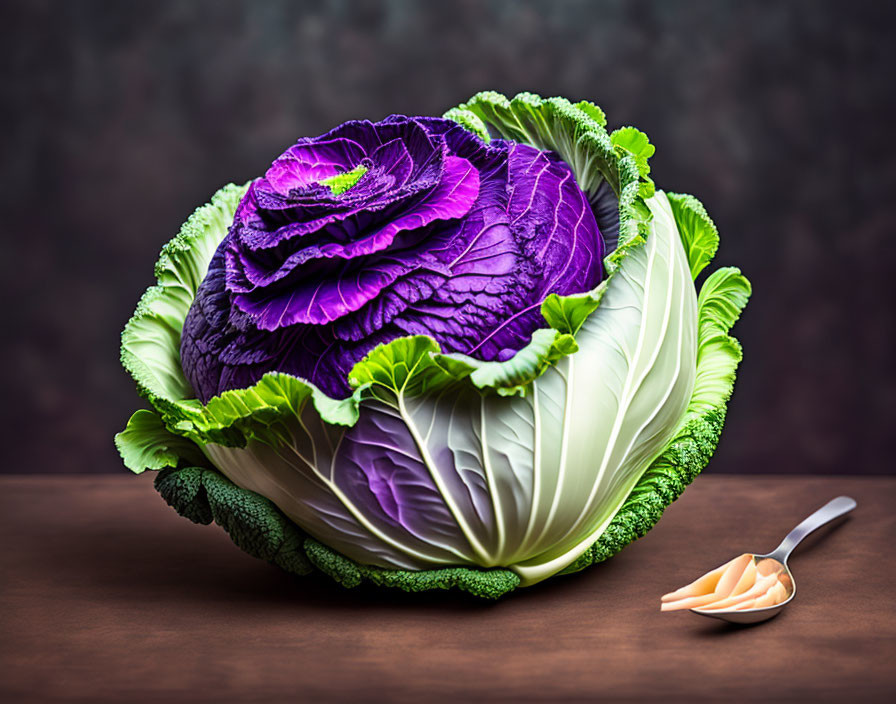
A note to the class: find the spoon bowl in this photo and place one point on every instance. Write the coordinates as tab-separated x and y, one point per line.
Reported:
765	565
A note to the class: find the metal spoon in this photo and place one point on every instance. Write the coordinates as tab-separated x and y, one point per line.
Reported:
776	561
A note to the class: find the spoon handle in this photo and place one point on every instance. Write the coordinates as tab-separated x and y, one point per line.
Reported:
827	513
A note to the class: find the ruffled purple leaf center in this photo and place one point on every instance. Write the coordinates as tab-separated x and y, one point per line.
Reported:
443	235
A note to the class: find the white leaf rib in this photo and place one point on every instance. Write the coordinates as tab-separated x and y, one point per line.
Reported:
536	468
492	485
564	449
477	547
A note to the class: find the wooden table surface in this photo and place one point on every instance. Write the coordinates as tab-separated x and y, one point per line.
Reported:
106	595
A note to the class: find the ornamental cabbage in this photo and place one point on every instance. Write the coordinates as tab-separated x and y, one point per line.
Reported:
437	352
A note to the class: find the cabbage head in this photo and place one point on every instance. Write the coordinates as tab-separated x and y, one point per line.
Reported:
429	352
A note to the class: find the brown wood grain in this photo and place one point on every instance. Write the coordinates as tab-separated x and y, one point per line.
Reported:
107	596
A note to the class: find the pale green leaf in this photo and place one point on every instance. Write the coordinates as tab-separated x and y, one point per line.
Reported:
722	298
636	143
698	231
147	444
340	183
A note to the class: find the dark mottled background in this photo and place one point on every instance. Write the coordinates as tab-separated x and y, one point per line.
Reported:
120	118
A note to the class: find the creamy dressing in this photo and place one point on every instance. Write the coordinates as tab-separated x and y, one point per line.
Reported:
740	584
